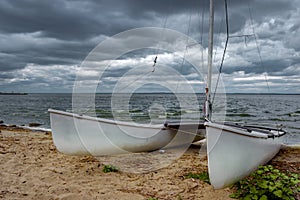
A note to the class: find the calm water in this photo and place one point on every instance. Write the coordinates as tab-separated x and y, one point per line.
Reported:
157	108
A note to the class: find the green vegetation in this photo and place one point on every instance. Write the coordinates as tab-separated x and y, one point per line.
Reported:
267	183
109	168
201	176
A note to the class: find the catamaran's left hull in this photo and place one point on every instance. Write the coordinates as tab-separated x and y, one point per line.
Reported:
234	154
83	135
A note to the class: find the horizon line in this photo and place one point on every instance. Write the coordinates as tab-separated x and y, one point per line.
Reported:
237	93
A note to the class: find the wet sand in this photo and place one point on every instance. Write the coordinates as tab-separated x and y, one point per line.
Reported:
32	168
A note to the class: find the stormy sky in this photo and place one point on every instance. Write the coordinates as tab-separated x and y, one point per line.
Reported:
43	44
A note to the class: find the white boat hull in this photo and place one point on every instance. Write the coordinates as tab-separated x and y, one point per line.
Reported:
234	154
83	135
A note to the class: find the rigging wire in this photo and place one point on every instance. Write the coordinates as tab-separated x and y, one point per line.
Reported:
258	50
216	51
155	60
158	47
135	80
245	36
218	39
225	48
186	48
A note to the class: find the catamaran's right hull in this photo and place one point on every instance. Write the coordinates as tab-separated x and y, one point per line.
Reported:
234	154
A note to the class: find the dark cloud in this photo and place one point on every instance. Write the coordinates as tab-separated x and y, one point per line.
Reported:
52	18
63	32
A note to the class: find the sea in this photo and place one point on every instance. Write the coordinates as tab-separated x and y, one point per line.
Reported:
277	110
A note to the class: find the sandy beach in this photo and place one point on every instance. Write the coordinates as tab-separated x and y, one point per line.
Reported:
32	168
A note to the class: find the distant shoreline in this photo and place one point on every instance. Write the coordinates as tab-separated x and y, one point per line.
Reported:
13	93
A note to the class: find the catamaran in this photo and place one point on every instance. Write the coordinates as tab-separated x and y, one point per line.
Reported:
233	150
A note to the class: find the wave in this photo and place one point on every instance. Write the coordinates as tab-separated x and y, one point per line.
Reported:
42	129
240	115
294	114
36	128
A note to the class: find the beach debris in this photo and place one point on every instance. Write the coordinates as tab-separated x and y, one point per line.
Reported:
34	124
162	151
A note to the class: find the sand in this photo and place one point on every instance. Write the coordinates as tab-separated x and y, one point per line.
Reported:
32	168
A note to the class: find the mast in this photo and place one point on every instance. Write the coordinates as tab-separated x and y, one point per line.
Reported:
208	105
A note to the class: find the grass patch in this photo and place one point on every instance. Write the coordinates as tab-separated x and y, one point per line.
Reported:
110	168
267	183
203	176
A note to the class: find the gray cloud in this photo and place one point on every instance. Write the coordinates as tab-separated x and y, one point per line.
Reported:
63	32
